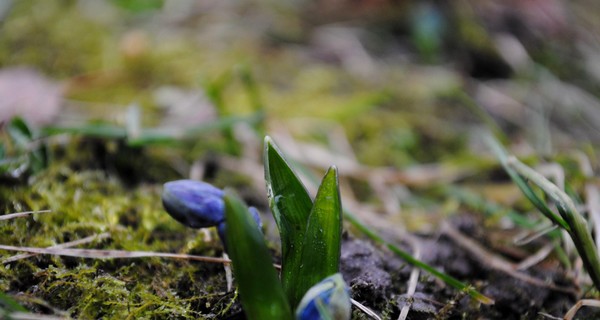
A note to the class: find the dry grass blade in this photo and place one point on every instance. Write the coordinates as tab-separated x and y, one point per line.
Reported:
62	245
581	303
536	257
112	254
412	281
497	263
528	236
364	309
21	214
32	316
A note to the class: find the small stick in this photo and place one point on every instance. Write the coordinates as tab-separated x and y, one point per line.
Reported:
228	273
58	246
412	282
21	214
536	257
496	262
364	309
32	316
584	302
112	254
527	238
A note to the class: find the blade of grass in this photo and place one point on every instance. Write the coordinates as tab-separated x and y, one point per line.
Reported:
216	91
448	279
502	155
253	92
20	132
100	130
111	254
476	202
465	100
322	244
152	136
260	291
578	230
291	206
24	139
156	136
7	303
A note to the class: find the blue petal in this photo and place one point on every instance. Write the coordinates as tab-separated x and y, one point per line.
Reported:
195	204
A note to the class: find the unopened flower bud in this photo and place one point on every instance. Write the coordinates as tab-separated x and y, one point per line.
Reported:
328	299
195	204
198	204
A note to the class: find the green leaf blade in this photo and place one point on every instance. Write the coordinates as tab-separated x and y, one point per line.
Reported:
448	279
261	293
291	206
322	241
576	223
503	156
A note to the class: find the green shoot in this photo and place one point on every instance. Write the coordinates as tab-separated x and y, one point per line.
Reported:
282	181
152	136
322	245
522	184
291	206
578	228
448	279
569	219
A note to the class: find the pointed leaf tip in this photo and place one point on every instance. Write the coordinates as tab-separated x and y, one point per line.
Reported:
322	241
291	206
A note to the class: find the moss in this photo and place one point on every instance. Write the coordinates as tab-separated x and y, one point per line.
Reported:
88	202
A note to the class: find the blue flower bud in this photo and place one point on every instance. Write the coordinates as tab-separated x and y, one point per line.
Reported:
198	204
195	204
328	299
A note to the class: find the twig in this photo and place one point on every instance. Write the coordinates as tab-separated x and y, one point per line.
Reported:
228	273
536	258
412	281
364	309
497	263
528	237
571	313
32	316
584	302
112	254
62	245
21	214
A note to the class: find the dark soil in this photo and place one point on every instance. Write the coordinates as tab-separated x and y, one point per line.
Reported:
378	279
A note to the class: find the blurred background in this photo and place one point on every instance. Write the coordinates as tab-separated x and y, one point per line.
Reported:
405	81
396	93
368	85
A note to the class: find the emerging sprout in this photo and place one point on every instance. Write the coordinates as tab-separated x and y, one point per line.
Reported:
198	204
328	299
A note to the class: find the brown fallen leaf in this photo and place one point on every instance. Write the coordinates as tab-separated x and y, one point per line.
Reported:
27	93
